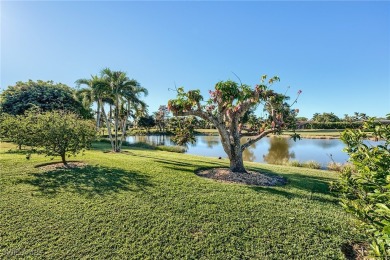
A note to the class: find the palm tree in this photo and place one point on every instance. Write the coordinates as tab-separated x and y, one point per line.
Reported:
96	92
125	94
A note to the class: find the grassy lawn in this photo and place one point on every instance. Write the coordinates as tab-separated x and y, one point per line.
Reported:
149	204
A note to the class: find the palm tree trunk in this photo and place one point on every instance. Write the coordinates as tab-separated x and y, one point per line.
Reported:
125	124
108	127
117	149
98	115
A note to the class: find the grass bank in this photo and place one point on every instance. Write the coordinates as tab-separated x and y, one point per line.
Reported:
149	204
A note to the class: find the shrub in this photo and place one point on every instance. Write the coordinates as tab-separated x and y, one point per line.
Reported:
174	149
339	167
366	192
295	163
334	166
312	165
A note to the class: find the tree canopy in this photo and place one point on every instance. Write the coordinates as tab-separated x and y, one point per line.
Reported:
43	95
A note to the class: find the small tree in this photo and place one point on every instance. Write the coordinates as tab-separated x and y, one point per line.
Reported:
60	133
226	107
146	122
160	117
15	129
366	191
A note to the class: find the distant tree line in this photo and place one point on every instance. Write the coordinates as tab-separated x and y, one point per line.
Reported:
332	121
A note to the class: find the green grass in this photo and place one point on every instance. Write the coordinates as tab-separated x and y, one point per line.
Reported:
149	204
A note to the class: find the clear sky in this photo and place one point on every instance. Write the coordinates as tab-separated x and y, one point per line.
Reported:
337	53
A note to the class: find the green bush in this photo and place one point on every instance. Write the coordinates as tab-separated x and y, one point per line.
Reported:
365	192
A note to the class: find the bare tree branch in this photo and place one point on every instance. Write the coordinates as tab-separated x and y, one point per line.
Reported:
256	138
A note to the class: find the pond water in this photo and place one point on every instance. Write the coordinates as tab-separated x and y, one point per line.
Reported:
273	150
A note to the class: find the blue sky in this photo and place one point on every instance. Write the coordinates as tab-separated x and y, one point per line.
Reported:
337	53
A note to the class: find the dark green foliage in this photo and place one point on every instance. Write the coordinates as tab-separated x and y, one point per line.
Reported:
183	129
44	95
325	117
332	125
366	192
146	122
15	129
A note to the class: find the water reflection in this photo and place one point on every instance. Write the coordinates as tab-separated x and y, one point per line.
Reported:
275	150
151	139
211	142
278	152
327	143
249	153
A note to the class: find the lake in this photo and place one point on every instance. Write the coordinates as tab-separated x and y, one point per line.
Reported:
273	150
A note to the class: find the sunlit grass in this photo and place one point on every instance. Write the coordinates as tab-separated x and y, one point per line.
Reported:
149	204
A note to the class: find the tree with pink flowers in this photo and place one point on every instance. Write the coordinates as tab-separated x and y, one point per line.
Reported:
226	107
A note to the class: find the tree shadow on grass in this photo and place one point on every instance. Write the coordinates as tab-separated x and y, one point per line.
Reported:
88	181
179	163
315	187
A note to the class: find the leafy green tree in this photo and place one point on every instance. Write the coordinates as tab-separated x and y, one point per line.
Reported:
45	95
59	133
326	117
183	129
302	118
15	129
161	116
226	107
147	122
365	192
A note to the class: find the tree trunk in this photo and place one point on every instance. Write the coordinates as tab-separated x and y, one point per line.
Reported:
236	160
237	163
98	116
117	149
108	127
124	127
63	158
232	148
